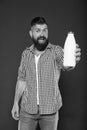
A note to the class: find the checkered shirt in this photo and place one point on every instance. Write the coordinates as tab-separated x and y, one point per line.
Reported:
49	69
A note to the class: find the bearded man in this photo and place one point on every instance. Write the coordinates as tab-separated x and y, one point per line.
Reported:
37	82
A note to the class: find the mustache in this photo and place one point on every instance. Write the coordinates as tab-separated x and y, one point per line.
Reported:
41	37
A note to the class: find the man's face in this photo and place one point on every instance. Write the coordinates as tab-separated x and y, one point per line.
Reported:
39	35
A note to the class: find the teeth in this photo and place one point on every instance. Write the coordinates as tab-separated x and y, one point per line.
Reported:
41	39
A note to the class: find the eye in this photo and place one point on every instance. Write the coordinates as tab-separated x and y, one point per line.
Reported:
38	30
45	30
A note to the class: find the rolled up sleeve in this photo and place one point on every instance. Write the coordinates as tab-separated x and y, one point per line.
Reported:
59	54
22	67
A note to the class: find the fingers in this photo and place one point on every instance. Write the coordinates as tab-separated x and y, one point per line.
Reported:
77	48
77	51
15	112
15	115
77	45
78	59
78	54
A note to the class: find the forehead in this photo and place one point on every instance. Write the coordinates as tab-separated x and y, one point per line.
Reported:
40	26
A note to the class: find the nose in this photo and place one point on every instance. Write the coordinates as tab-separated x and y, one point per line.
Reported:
42	34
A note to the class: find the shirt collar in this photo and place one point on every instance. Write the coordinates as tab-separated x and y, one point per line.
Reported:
31	48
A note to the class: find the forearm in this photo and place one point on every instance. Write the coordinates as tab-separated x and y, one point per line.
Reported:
20	87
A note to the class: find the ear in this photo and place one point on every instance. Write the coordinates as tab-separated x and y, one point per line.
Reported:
30	33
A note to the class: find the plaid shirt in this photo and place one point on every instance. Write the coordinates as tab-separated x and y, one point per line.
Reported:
49	67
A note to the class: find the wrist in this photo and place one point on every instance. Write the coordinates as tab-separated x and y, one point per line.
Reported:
15	102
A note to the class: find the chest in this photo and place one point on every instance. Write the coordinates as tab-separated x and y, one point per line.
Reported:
43	60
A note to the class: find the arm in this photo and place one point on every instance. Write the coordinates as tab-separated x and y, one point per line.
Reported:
59	53
21	80
20	86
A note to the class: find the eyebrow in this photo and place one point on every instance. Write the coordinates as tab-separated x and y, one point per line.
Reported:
43	28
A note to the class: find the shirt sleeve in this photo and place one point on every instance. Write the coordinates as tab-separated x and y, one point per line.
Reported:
59	55
22	67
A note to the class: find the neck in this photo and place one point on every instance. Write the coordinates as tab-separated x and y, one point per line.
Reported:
37	52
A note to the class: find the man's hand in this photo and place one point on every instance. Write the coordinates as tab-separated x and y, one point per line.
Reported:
15	111
77	53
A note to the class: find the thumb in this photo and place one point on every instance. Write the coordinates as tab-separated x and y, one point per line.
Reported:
17	113
16	116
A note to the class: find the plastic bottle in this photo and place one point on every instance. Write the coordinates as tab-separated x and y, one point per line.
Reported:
69	51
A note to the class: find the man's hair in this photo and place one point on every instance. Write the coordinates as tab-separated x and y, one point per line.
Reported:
38	20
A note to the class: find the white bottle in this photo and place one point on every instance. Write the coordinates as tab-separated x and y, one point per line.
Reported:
69	51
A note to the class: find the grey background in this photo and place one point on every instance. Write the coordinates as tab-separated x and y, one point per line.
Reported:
62	17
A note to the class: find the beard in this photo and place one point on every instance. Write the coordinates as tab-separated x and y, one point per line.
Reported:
40	43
